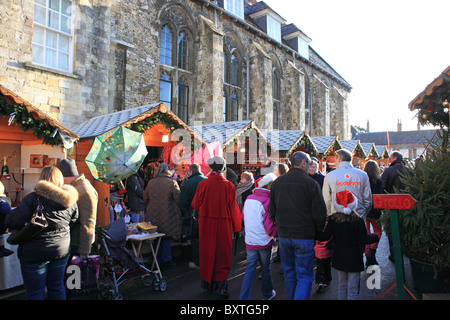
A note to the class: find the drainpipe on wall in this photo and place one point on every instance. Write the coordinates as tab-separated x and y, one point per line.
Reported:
310	111
247	60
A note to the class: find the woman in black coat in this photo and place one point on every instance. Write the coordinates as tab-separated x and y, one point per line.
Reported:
376	186
43	258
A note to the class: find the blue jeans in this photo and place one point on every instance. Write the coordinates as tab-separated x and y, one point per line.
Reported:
48	274
253	256
297	260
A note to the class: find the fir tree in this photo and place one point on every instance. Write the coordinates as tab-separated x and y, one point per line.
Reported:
426	227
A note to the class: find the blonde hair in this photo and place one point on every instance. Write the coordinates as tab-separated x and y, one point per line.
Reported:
53	175
2	188
247	175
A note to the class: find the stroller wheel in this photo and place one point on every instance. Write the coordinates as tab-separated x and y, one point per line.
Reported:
148	280
105	291
162	285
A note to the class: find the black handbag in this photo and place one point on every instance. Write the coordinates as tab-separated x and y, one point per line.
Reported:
37	223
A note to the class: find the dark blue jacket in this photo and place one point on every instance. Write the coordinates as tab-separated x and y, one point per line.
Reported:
187	193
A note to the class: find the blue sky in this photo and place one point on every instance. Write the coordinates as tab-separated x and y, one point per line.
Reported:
388	50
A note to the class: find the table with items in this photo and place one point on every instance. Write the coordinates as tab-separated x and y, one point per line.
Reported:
144	231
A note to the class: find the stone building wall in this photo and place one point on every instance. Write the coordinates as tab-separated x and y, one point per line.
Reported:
69	97
116	65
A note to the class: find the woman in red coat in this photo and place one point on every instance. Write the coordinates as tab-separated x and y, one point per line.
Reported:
218	218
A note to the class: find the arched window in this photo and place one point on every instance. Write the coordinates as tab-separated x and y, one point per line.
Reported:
232	73
176	56
225	104
165	90
276	86
234	108
166	46
234	77
183	100
183	54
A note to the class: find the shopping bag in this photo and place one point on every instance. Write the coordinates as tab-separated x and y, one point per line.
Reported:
88	280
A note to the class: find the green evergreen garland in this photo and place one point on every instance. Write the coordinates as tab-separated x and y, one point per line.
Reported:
307	144
24	118
166	120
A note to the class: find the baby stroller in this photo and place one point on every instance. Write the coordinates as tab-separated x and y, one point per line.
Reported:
118	264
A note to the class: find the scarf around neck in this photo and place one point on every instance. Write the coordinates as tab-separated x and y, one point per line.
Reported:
241	188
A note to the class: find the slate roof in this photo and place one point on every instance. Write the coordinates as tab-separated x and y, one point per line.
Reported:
286	138
323	143
349	144
368	147
224	132
396	137
259	6
101	124
381	149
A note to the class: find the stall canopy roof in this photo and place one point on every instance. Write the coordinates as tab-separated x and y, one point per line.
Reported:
225	132
322	144
368	147
101	124
287	139
38	114
440	86
381	150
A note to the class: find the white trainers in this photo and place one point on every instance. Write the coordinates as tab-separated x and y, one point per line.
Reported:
193	266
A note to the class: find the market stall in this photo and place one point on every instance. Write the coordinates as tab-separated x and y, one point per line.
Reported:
244	146
289	141
326	147
29	140
355	147
383	155
167	139
370	150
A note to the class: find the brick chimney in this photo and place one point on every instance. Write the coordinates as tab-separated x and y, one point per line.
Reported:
368	126
399	125
253	1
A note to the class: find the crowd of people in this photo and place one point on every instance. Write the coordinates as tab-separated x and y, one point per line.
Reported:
294	214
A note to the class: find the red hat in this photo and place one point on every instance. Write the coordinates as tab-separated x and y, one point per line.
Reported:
345	202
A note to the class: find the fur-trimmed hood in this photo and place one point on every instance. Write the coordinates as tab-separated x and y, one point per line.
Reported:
66	196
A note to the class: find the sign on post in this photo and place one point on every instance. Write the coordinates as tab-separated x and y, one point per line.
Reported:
396	202
393	201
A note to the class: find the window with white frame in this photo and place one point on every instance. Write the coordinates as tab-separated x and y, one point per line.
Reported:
273	29
53	34
236	7
303	48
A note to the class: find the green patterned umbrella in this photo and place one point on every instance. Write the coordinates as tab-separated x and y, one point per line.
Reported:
116	155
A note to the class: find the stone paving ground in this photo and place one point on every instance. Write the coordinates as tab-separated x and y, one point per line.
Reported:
184	283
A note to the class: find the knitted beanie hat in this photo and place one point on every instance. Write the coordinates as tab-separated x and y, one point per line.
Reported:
68	168
345	202
268	178
217	164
